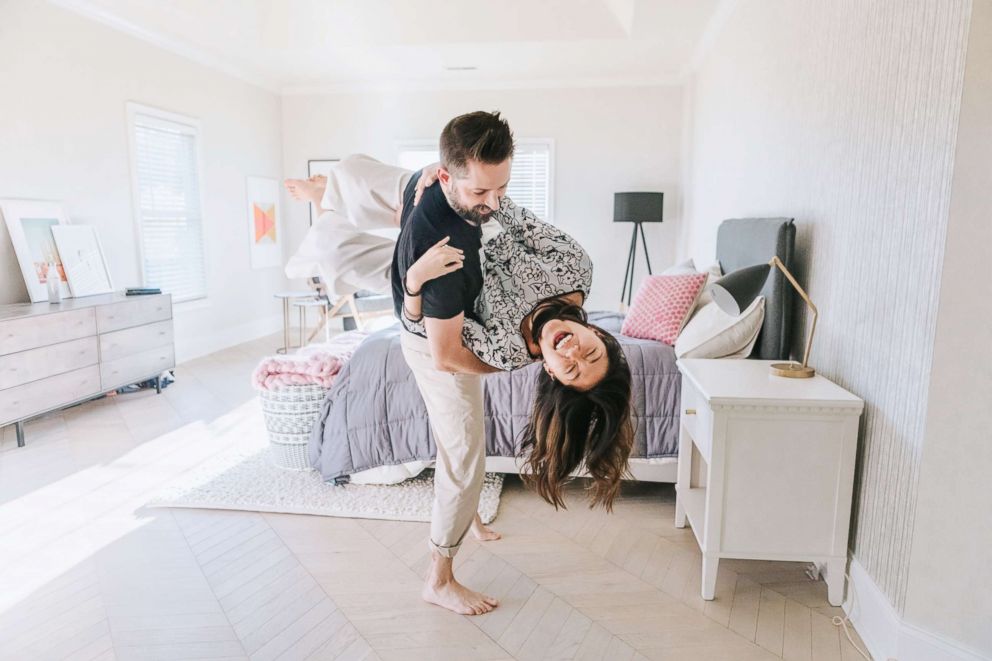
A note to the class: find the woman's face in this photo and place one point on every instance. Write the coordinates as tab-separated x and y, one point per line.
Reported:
573	354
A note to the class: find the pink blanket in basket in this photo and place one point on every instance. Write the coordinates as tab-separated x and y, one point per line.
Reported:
315	364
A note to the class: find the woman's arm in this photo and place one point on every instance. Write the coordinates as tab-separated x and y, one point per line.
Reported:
440	259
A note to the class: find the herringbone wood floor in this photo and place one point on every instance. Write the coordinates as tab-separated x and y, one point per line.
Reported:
87	573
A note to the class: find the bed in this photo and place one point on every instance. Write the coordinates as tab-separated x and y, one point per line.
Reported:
373	426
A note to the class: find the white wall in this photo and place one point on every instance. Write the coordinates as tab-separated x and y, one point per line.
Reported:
63	136
606	140
950	573
843	115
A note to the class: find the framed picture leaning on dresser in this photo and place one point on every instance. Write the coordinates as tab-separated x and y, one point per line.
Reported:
30	223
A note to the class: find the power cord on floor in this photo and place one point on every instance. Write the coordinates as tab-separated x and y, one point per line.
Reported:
813	571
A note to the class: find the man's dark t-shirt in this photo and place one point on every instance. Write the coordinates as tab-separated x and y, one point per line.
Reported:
422	226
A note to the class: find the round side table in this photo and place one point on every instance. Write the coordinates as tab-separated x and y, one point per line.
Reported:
287	298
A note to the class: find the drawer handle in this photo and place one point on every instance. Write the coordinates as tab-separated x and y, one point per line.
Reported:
690	411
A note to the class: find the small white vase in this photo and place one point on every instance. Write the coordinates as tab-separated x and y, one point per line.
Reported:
53	282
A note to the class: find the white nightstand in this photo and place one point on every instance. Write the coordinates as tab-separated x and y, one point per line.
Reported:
776	474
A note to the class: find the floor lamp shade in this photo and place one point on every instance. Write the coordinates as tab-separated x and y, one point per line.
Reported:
638	207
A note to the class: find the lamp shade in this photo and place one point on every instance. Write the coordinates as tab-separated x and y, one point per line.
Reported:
735	291
638	207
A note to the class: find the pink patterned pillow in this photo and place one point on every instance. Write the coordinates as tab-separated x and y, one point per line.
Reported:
662	306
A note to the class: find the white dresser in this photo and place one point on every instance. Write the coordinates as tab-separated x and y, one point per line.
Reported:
766	467
54	355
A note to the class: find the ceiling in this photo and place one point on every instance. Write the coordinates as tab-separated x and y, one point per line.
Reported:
300	46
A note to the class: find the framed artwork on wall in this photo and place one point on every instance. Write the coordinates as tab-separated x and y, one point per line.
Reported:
319	166
30	223
83	260
264	222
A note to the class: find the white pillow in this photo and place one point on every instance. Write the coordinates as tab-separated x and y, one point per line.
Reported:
688	266
712	333
713	273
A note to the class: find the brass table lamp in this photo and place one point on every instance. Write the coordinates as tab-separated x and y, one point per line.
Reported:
735	291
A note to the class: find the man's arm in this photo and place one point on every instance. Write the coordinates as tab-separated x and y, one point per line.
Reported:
445	339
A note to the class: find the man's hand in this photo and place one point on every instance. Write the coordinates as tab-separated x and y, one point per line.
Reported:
427	178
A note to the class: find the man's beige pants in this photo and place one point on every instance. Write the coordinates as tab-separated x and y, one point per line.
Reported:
455	411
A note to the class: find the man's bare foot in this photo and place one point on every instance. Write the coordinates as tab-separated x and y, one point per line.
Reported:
308	190
456	597
482	532
442	589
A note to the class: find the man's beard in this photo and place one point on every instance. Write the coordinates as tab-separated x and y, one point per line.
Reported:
477	215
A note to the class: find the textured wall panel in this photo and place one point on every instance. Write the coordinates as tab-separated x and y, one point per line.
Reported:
842	113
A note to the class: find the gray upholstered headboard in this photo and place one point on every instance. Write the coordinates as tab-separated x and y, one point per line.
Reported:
744	242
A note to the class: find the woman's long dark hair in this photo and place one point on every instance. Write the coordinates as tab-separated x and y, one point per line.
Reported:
569	428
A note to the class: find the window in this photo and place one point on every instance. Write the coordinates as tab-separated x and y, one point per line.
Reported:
530	176
165	172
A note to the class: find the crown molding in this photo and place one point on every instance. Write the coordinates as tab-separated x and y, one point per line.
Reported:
710	34
429	85
88	10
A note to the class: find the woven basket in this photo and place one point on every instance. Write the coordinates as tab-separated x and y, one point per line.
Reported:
289	414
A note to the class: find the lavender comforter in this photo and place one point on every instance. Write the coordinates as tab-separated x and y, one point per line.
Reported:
374	416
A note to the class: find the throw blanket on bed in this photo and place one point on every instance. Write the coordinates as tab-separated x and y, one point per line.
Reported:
374	416
316	364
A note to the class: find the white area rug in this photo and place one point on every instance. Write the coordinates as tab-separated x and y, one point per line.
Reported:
247	480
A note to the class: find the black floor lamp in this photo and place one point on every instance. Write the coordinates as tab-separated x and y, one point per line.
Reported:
636	208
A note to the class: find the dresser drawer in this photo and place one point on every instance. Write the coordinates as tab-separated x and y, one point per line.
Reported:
44	329
45	394
26	366
135	340
138	311
697	418
141	366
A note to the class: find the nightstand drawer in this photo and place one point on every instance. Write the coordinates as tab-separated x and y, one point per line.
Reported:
697	418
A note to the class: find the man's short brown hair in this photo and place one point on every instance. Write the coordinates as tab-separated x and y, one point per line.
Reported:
476	136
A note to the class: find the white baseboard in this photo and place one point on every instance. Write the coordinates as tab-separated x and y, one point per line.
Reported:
915	644
884	632
188	348
873	616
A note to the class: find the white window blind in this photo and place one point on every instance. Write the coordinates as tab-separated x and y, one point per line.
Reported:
166	178
530	178
530	174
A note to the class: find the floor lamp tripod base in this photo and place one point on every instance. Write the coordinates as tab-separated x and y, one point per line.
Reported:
628	274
